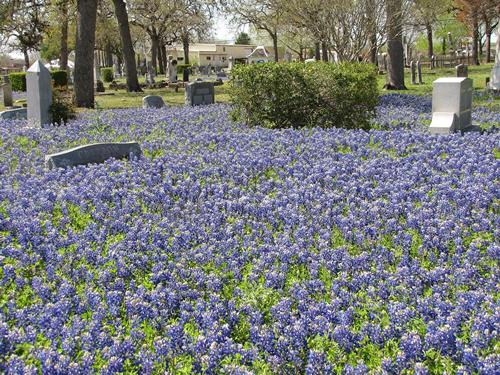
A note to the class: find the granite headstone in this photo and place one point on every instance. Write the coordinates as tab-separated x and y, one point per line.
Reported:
152	101
200	93
92	153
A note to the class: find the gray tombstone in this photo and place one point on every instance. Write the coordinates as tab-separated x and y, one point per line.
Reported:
462	71
221	75
200	93
39	88
451	105
413	67
419	73
7	92
152	101
92	153
14	114
494	83
150	75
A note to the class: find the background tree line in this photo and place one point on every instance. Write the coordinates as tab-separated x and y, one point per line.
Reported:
349	29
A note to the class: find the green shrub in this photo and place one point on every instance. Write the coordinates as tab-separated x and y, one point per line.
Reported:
62	108
18	81
182	67
60	78
278	95
107	74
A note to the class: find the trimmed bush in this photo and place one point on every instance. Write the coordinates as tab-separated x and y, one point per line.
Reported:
62	108
18	81
182	67
107	74
60	78
277	95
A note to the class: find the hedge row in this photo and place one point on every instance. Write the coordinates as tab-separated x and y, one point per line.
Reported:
18	80
281	95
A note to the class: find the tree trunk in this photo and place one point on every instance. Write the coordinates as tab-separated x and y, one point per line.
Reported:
395	55
475	39
63	56
185	46
160	60
372	25
155	42
324	51
109	55
317	51
127	46
26	58
84	53
430	45
164	55
488	32
275	47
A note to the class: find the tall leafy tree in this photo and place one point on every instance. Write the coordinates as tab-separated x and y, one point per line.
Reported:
23	25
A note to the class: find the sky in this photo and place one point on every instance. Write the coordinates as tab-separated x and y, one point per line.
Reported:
223	31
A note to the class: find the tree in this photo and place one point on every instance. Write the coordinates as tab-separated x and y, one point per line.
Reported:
395	60
243	38
426	13
158	19
264	15
127	46
84	53
24	26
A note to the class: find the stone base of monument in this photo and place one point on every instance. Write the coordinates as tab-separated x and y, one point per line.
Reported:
473	129
443	123
14	114
92	154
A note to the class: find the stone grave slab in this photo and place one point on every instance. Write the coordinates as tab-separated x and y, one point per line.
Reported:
7	91
14	114
451	95
200	93
92	154
152	101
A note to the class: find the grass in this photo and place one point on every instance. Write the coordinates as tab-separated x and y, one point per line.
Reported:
122	99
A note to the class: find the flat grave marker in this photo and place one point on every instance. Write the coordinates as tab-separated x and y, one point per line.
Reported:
92	154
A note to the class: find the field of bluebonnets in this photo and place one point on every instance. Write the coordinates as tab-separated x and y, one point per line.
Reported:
234	250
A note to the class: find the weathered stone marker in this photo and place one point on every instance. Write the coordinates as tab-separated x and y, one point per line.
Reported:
419	73
413	67
152	101
39	88
451	105
14	114
494	83
200	93
7	91
92	153
462	70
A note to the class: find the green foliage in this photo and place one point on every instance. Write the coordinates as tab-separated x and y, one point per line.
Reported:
243	38
182	67
107	74
18	81
62	108
60	78
277	95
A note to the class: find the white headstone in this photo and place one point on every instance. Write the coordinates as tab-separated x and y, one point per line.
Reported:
451	105
39	89
495	78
